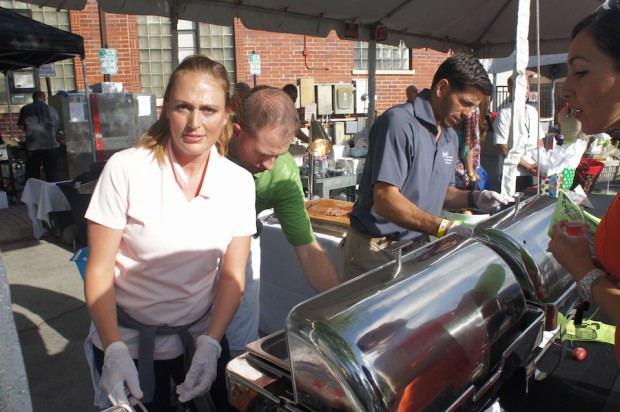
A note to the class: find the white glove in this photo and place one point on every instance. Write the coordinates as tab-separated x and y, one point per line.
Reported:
488	199
203	370
119	371
460	229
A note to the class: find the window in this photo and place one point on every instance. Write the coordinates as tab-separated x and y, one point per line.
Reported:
388	57
218	42
155	51
65	72
155	48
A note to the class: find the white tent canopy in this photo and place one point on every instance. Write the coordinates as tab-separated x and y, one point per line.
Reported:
486	28
505	64
482	27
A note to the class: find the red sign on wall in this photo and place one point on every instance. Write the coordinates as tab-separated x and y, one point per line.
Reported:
381	33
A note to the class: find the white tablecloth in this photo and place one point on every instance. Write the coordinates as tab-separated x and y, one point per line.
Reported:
42	198
282	283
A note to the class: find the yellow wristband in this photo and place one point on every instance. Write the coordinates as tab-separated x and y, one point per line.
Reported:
442	227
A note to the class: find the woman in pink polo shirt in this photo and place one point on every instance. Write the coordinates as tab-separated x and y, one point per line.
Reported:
169	227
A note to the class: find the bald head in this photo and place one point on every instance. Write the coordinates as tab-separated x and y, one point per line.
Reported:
411	92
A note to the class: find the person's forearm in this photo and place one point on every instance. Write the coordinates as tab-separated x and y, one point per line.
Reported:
459	199
99	286
317	266
101	303
227	300
530	167
607	296
393	206
230	287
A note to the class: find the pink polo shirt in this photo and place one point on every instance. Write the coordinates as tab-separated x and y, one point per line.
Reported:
169	254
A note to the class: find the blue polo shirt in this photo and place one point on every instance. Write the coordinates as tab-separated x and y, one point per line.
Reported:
402	152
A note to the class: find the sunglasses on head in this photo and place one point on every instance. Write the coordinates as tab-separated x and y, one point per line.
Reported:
608	5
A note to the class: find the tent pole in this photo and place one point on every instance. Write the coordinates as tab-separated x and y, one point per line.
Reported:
539	96
8	102
91	127
372	81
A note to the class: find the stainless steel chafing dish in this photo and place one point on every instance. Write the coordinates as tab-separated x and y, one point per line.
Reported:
519	235
454	325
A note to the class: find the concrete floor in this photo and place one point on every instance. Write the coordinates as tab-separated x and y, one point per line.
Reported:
51	321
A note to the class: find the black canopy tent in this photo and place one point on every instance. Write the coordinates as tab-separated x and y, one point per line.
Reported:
25	42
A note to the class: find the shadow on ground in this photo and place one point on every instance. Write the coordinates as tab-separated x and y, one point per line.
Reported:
51	328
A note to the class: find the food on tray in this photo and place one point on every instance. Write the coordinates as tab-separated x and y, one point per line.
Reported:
335	211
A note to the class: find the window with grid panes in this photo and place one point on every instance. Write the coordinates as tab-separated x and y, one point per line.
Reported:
218	43
388	57
65	71
155	47
155	51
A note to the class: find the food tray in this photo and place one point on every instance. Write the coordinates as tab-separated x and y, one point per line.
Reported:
610	171
317	209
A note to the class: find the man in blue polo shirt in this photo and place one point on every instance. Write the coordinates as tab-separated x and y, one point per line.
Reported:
409	172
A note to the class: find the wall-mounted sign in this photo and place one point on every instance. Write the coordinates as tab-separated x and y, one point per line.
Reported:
351	30
381	33
47	70
254	64
107	59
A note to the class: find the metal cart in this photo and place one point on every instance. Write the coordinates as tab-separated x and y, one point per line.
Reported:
12	170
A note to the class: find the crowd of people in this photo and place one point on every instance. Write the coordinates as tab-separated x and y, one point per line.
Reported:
173	274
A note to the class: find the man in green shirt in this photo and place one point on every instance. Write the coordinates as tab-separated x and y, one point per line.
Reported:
266	122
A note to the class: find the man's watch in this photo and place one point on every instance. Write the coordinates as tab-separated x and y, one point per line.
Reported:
584	286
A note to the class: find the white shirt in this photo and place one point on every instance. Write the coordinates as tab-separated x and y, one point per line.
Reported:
502	130
168	257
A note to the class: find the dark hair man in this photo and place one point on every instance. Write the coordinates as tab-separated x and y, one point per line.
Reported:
409	171
39	121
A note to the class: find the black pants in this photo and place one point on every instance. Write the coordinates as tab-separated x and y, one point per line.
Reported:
47	158
523	182
174	369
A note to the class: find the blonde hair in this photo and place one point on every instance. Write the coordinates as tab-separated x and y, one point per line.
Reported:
156	138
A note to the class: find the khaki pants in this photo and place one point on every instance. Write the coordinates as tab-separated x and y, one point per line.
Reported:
360	253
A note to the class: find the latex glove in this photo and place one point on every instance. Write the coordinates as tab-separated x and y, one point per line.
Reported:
203	369
119	371
460	229
489	199
118	397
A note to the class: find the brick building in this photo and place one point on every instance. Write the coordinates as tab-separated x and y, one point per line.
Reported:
144	54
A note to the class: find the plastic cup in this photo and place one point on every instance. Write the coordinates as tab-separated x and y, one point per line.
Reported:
573	228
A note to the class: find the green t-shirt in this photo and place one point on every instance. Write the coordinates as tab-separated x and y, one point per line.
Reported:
281	189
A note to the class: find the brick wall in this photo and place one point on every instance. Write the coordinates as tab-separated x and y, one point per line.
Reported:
287	57
284	59
122	35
